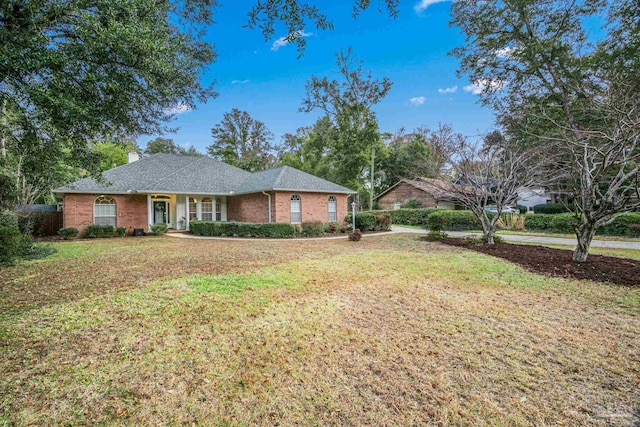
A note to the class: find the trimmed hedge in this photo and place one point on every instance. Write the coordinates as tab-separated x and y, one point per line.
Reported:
453	220
407	216
312	228
549	208
538	222
371	221
624	225
412	203
241	229
98	231
159	228
68	233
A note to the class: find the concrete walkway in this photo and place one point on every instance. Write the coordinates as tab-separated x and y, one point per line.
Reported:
395	229
534	239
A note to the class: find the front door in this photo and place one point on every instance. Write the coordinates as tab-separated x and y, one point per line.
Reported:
160	212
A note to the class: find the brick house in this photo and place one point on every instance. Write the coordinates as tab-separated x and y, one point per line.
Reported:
424	189
173	189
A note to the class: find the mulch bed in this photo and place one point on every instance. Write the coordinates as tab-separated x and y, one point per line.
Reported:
558	262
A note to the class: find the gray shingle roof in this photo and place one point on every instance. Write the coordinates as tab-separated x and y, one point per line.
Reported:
288	178
169	173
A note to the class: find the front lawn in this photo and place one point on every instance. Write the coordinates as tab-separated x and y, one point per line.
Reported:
387	331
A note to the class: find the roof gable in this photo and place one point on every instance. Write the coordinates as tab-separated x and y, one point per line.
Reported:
433	187
169	173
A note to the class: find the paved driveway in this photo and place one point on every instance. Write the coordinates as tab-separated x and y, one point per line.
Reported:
535	239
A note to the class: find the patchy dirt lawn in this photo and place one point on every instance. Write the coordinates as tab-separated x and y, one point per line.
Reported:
387	331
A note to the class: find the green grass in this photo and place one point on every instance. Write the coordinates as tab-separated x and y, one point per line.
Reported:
386	331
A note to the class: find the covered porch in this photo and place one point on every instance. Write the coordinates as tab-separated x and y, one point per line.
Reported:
177	210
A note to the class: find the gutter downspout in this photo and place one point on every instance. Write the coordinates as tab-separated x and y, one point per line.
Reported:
269	196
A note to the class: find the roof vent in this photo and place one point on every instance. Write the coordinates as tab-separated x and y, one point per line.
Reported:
133	157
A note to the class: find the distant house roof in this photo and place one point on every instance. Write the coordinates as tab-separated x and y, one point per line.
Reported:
434	187
170	173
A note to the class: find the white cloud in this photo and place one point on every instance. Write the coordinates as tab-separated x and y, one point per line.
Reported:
418	100
482	85
451	89
178	109
283	41
505	52
239	82
423	4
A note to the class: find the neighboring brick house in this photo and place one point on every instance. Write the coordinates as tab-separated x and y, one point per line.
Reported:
423	189
172	189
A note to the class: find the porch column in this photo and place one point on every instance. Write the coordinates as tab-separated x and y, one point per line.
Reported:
199	208
186	218
149	212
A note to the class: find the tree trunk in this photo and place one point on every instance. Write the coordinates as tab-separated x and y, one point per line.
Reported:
488	228
489	235
585	235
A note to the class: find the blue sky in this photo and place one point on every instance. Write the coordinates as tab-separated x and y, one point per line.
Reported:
268	80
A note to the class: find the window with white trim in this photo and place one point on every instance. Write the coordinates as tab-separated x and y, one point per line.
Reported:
218	209
193	209
333	214
104	211
207	209
296	210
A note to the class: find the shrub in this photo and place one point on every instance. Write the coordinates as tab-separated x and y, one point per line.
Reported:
482	240
8	219
538	222
453	220
511	222
28	250
217	228
367	221
435	236
364	221
549	208
412	203
331	227
312	228
10	247
98	231
32	223
622	226
407	216
355	235
159	228
563	223
121	231
68	233
523	209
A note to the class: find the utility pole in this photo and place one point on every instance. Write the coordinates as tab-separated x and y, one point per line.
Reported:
373	169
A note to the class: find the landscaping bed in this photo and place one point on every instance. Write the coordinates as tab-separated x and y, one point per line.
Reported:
558	262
